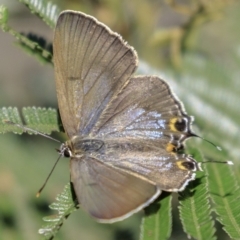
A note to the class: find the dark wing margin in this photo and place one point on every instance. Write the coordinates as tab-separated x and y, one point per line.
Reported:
91	64
109	194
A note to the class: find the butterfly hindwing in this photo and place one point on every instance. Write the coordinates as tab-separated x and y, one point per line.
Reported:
109	194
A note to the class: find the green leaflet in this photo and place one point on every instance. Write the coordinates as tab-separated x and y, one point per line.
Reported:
45	9
65	206
195	210
39	119
31	43
157	222
224	192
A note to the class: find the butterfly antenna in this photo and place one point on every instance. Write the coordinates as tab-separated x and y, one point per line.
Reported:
217	147
31	130
44	184
44	135
224	162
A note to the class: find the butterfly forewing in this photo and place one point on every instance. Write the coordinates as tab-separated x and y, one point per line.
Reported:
91	64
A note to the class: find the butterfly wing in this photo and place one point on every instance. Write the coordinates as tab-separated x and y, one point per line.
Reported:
109	194
91	64
143	128
169	171
146	109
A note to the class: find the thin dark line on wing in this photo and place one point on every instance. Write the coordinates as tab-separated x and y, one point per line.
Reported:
137	101
103	70
104	103
59	61
63	40
136	164
74	33
119	59
96	55
155	103
73	47
95	82
116	112
85	55
65	56
78	65
112	180
86	24
105	100
101	107
164	103
101	187
110	61
76	50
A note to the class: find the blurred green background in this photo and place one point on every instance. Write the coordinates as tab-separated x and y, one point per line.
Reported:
193	45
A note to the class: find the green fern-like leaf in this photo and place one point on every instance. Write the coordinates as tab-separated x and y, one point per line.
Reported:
39	119
225	194
31	43
45	9
212	97
195	209
65	206
3	17
157	222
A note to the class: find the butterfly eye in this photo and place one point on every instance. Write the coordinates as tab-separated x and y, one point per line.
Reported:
65	151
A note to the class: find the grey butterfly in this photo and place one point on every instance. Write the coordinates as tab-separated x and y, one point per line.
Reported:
124	131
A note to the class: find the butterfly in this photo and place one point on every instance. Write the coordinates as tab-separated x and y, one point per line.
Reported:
124	131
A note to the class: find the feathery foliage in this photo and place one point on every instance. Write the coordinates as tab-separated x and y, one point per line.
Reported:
225	194
157	222
31	43
45	9
195	209
39	119
65	206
